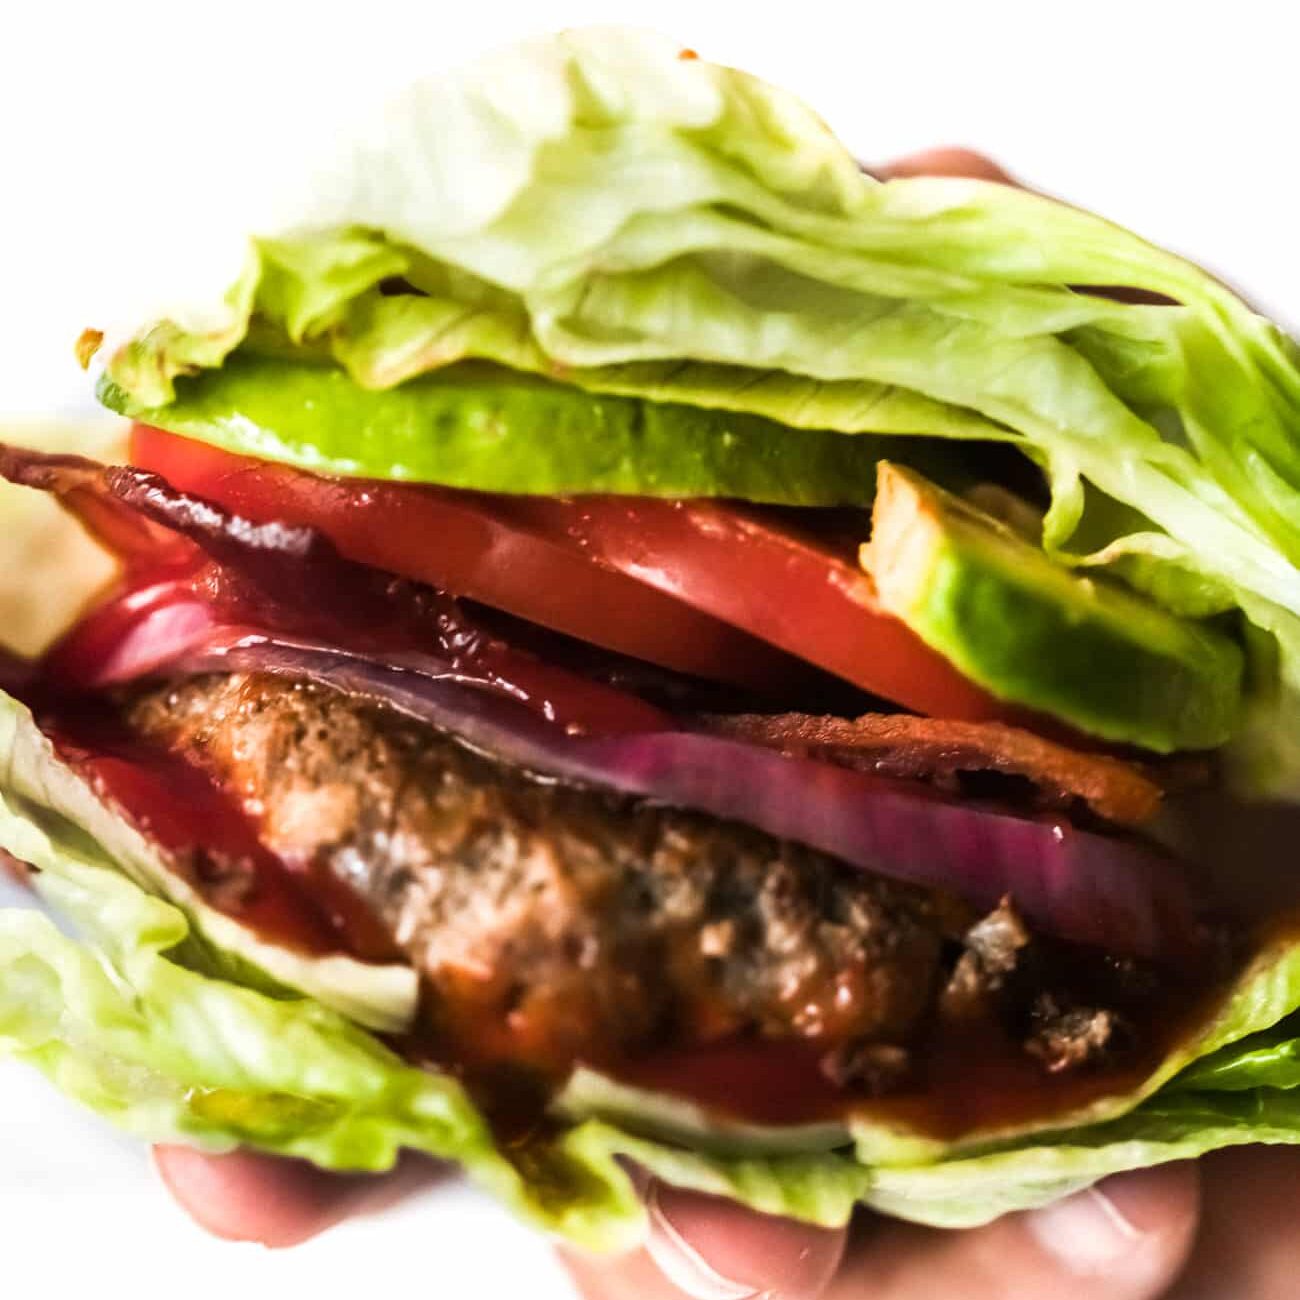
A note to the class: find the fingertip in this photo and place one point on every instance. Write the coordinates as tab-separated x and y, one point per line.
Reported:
948	161
1135	1230
274	1201
1246	1244
1127	1238
242	1196
714	1249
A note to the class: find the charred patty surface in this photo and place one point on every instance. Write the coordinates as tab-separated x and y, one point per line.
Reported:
554	923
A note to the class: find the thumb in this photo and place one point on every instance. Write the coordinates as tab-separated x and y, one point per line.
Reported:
1125	1239
712	1249
949	161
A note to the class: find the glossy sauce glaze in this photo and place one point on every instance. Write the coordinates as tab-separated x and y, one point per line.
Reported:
966	1079
210	840
964	1076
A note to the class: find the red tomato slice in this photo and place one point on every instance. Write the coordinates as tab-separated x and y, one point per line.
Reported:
470	543
703	587
794	589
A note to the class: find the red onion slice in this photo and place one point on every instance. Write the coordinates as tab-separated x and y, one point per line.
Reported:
196	573
317	616
1108	891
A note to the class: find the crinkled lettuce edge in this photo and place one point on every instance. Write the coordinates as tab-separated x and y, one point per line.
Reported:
129	1019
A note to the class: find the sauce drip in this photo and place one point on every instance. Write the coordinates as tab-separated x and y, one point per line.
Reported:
966	1078
211	840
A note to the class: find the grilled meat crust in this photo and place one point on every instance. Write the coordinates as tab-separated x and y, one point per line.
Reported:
553	923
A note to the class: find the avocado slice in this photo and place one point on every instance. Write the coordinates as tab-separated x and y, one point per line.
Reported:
477	425
1033	631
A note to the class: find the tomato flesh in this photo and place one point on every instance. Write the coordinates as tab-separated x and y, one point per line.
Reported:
722	591
792	588
475	545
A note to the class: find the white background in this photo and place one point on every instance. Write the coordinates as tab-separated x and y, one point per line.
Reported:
132	137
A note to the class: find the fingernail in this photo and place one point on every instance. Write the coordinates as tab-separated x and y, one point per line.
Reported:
680	1260
1093	1229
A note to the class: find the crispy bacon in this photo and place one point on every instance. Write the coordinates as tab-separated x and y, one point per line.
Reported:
940	751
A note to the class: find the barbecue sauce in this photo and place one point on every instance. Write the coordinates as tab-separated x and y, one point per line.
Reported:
211	840
964	1077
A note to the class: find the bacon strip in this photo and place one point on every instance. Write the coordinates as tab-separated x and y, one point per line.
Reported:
218	571
939	750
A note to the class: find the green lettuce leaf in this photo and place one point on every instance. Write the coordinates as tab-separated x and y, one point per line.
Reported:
594	208
126	1020
178	1029
379	996
1175	1125
1270	1059
121	1021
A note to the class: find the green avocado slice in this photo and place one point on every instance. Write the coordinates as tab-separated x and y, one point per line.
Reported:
475	425
1033	631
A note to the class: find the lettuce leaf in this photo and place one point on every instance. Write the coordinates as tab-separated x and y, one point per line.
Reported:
381	997
123	1024
1174	1125
593	207
126	1020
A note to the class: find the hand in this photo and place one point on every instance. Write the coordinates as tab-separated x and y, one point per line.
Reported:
1227	1228
1124	1240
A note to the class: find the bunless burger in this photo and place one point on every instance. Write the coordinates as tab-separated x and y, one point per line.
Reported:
623	636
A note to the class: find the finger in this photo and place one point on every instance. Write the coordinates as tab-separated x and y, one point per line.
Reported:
945	162
1250	1227
1125	1239
712	1249
245	1196
19	872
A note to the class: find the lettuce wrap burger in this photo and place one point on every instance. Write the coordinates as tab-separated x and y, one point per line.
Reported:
623	637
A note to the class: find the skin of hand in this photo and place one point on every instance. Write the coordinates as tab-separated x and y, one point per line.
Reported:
1182	1232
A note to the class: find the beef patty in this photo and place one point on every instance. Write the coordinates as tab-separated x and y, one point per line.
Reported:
554	923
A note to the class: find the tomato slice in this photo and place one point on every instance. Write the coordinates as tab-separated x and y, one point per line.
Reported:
796	589
472	544
710	588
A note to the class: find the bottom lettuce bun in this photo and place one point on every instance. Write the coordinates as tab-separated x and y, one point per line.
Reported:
766	681
177	1027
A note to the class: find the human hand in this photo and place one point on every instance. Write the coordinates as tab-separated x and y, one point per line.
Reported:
1224	1227
1230	1232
